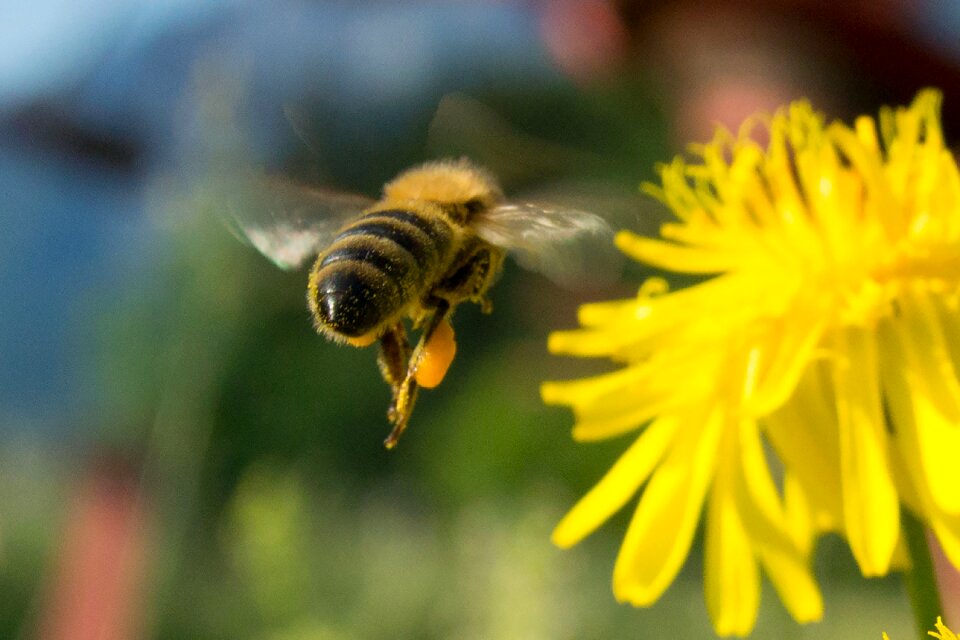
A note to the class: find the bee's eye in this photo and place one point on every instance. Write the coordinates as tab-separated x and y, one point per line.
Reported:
474	205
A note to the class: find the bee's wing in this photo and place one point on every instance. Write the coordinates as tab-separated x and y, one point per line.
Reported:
463	126
290	223
569	246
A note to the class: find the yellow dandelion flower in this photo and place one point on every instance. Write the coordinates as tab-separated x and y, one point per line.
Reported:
827	326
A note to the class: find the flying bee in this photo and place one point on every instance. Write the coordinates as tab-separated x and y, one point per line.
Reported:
437	237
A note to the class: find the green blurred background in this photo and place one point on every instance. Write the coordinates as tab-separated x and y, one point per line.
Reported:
183	457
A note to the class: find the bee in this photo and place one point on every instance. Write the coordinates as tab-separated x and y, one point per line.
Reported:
436	238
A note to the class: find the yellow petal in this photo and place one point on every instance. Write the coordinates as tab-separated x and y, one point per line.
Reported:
782	551
870	505
869	168
618	485
610	312
803	434
912	480
795	585
752	487
932	439
616	402
590	343
659	536
947	317
674	257
799	513
927	353
938	447
946	527
731	574
793	346
583	392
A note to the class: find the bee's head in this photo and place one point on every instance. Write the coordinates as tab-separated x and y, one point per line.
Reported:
456	183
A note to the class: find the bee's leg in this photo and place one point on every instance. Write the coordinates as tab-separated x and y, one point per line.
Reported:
406	394
478	267
392	359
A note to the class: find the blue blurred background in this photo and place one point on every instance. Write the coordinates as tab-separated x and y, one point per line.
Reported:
182	457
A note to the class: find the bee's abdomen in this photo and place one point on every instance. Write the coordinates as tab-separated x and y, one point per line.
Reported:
374	267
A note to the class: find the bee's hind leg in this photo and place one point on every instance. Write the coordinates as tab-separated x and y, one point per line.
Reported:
392	360
405	395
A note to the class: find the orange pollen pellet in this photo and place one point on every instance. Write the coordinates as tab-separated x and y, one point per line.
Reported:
437	355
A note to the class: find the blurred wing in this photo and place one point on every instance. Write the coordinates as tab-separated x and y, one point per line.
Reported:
462	126
290	223
568	246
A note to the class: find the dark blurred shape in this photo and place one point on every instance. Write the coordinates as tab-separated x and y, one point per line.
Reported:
48	129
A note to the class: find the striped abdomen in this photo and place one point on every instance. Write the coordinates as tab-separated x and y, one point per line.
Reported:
375	266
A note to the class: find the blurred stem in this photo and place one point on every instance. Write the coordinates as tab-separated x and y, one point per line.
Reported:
921	580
